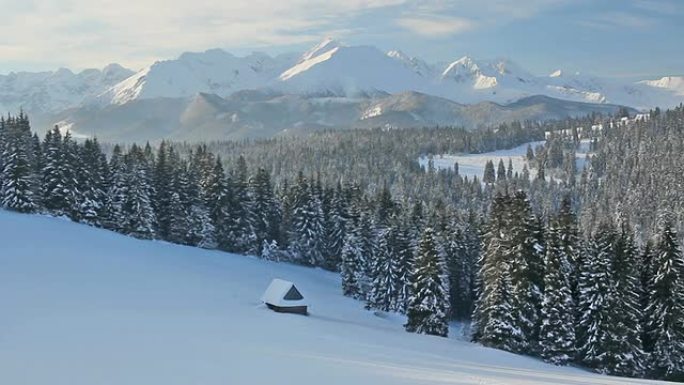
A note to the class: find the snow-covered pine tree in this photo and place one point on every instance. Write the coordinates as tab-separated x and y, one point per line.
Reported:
428	306
625	356
178	219
53	181
91	182
163	177
499	330
16	176
385	285
492	261
241	237
117	189
526	262
570	244
352	266
557	332
265	219
335	229
665	322
217	199
597	294
460	273
307	232
139	219
489	176
69	166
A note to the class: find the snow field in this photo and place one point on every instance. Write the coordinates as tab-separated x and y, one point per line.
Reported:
81	305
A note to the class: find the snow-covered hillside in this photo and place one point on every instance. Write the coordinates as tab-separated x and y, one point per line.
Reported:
56	91
86	306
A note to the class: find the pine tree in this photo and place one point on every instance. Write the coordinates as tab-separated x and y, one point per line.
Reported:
139	219
70	190
428	306
352	266
16	175
665	322
489	173
335	229
385	286
492	273
240	237
402	249
307	233
217	199
116	192
265	211
557	333
597	294
526	263
626	356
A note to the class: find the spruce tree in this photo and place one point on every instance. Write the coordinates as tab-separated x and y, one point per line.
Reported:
665	322
16	176
428	306
597	294
557	333
307	233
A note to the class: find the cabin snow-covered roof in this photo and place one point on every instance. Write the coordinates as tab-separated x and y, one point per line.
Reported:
283	293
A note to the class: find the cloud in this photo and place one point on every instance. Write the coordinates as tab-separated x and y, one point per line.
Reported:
436	26
90	33
613	20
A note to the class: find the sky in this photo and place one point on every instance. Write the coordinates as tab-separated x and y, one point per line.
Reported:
618	38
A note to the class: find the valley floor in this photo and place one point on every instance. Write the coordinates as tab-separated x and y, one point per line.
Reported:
80	305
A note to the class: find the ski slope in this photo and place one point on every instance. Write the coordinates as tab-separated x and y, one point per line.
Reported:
80	305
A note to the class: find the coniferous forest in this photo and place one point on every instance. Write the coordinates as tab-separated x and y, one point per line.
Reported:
575	266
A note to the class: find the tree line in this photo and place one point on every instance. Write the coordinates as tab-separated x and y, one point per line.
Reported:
541	265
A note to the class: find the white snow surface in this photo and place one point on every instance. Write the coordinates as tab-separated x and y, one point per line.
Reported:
86	306
53	91
472	165
332	68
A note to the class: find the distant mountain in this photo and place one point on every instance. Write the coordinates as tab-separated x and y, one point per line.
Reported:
674	84
214	71
334	69
41	92
262	114
329	85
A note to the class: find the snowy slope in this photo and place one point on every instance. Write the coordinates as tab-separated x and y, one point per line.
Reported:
214	71
86	306
332	68
58	90
674	84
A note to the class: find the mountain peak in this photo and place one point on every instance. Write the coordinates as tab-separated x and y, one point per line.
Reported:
556	74
324	46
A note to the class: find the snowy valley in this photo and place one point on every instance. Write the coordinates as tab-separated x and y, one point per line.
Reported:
98	307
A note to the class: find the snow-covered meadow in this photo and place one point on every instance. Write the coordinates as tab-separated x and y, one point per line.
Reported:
473	165
80	305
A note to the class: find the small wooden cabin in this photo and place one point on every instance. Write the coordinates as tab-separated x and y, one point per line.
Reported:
282	296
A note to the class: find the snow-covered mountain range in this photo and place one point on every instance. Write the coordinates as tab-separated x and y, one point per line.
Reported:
360	75
39	92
